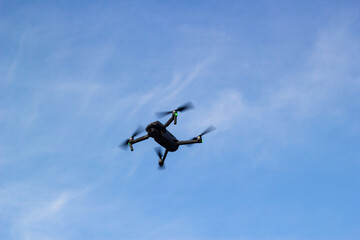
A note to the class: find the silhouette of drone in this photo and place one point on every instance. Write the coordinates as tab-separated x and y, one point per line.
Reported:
162	136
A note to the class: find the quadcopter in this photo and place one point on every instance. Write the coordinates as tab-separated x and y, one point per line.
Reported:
162	136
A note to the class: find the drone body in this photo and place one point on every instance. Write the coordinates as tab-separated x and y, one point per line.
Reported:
162	136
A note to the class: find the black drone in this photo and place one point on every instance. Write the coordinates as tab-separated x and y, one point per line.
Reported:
162	136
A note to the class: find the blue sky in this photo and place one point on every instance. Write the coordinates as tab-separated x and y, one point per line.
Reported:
279	79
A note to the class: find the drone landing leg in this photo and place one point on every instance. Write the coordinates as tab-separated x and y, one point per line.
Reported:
162	160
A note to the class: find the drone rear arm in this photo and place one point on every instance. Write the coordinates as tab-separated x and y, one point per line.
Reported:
197	140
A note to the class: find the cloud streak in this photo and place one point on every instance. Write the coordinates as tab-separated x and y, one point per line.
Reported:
41	216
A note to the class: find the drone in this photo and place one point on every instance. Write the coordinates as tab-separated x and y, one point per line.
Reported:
162	136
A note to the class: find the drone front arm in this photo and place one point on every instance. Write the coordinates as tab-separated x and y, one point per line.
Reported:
173	118
140	139
133	141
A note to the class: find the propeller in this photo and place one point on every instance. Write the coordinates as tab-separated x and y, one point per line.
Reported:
209	129
183	107
125	143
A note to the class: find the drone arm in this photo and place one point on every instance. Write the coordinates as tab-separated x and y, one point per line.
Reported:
133	141
197	140
173	118
166	152
140	139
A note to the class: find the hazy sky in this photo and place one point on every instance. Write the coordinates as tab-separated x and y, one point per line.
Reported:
279	79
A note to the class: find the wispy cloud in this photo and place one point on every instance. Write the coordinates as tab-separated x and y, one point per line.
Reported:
224	112
60	127
39	216
158	96
277	114
13	67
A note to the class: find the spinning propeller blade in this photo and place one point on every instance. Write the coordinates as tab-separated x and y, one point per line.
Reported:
183	107
162	114
137	131
209	129
125	143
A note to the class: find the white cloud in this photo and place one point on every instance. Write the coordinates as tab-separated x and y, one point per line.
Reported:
158	95
279	115
44	210
224	112
58	203
34	215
